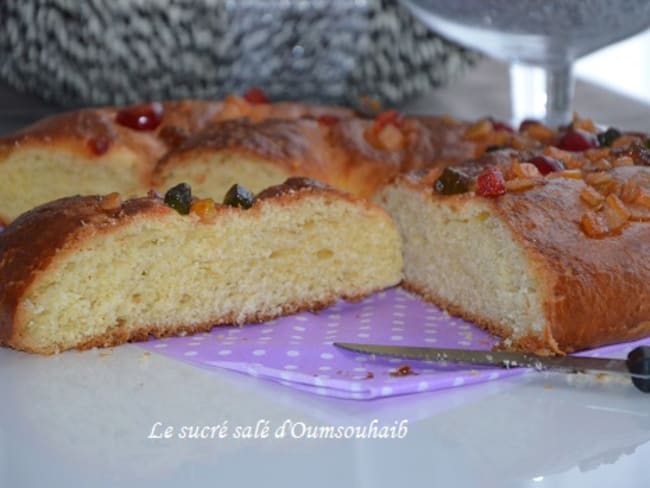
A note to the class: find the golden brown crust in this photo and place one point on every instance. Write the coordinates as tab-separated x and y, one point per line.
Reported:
94	134
293	185
440	141
298	147
599	288
596	290
281	141
339	153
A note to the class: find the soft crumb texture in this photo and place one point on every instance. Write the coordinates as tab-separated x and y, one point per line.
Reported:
461	256
170	273
213	174
32	176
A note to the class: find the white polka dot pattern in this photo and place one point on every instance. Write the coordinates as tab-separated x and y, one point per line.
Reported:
297	351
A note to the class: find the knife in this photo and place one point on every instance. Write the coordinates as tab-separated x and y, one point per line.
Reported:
636	366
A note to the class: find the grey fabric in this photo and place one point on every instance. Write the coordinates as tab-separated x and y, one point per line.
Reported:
119	51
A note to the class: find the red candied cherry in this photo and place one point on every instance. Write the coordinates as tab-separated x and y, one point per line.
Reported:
499	125
527	123
327	119
144	117
490	182
577	140
546	165
256	96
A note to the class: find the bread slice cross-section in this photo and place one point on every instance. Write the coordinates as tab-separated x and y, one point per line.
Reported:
521	264
94	271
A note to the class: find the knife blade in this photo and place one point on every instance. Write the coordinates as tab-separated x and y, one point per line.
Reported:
636	366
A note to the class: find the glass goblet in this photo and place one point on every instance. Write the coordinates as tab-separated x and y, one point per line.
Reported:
539	38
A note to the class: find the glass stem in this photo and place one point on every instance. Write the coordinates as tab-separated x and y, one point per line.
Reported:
542	93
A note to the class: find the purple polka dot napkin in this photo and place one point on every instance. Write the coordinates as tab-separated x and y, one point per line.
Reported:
297	351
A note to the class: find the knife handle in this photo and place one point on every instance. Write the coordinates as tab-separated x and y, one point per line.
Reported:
638	362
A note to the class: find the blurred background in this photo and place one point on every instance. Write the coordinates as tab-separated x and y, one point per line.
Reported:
58	54
123	51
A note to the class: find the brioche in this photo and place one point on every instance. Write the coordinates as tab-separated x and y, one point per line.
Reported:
353	154
522	260
96	151
91	271
213	145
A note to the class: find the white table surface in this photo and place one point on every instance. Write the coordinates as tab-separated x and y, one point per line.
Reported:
83	419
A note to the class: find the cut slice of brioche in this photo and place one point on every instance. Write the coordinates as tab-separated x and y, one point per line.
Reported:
521	266
91	152
267	152
255	155
39	174
92	271
353	154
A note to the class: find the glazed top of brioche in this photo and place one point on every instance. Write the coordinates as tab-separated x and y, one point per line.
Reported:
583	273
333	147
281	140
94	131
590	274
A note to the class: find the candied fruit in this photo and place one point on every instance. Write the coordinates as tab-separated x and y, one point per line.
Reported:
606	138
490	182
452	181
577	140
179	198
256	96
145	117
238	196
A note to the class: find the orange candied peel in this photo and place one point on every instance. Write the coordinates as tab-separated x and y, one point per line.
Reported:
111	201
525	170
204	208
602	181
570	160
386	131
520	184
591	196
234	107
574	174
624	161
598	178
390	138
615	213
593	224
629	191
624	140
615	203
584	124
643	197
539	132
595	154
479	130
602	164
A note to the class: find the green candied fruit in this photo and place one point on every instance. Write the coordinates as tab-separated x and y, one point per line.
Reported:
179	198
606	138
452	181
238	196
